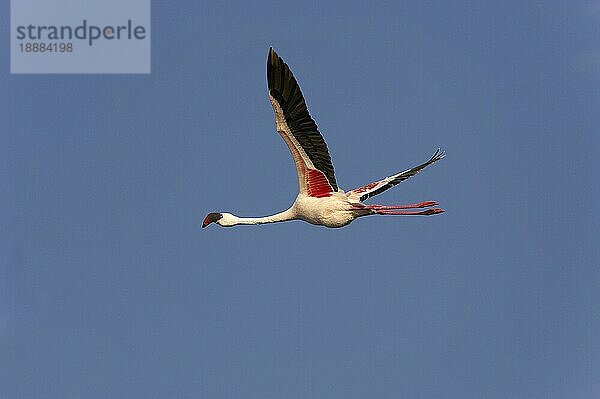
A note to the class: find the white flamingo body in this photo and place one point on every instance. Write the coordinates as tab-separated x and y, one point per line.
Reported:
320	201
333	211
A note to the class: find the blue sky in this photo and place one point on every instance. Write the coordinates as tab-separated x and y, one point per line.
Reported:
110	288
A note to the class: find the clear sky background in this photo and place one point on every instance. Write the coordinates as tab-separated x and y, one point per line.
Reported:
109	288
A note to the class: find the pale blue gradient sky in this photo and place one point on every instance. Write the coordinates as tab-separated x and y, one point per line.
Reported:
110	288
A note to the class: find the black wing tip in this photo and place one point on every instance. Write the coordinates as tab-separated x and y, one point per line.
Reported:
439	154
273	60
274	66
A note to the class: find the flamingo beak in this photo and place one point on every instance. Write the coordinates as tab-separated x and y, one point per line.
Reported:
211	217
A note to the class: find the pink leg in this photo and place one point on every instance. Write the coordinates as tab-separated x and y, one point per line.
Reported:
432	211
396	209
409	206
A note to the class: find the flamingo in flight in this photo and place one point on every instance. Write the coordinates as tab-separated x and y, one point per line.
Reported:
320	200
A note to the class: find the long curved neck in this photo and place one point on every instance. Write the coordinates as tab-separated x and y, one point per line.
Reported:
278	217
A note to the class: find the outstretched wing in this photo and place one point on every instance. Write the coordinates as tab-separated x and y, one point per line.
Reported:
299	131
380	186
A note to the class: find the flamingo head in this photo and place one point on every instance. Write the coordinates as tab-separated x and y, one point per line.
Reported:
212	217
